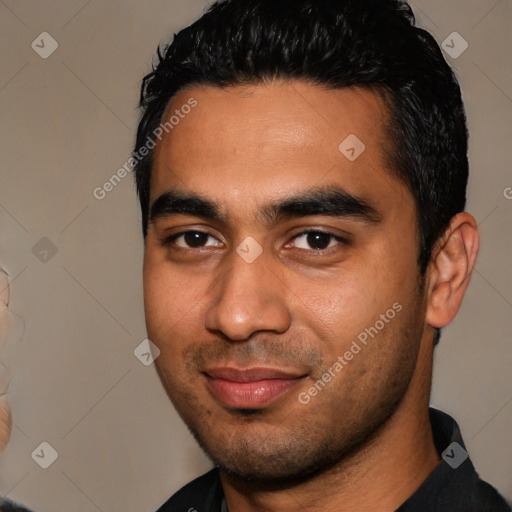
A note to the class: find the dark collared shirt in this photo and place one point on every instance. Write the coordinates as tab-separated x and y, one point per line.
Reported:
453	486
8	506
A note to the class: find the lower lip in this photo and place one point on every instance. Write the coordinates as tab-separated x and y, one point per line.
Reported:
250	395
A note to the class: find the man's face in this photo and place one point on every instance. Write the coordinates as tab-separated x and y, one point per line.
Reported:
255	353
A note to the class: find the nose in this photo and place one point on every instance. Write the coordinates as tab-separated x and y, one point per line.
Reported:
249	298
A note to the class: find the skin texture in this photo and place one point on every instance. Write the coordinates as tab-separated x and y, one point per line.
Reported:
364	439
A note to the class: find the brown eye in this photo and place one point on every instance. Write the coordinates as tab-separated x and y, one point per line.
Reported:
316	240
193	240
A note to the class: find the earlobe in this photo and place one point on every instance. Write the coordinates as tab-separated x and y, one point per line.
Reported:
450	269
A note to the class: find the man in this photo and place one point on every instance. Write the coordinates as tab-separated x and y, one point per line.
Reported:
301	167
6	505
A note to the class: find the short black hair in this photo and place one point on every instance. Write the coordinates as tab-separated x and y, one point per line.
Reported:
334	44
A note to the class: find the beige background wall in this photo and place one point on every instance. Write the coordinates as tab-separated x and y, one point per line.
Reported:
68	123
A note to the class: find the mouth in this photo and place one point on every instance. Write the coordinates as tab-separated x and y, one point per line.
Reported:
250	388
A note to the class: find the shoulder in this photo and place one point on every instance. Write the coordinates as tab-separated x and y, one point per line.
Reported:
204	494
490	500
9	506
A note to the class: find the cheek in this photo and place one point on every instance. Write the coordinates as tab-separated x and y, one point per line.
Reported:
161	306
341	305
174	305
339	309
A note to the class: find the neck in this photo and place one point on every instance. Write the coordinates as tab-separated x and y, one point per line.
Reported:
381	475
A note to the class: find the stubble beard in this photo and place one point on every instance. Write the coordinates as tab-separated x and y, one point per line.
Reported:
267	456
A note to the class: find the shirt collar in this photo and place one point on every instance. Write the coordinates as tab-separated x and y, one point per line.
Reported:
453	485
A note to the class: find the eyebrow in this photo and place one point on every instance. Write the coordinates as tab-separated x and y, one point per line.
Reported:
331	201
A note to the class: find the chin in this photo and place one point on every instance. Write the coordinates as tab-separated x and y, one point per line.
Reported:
259	459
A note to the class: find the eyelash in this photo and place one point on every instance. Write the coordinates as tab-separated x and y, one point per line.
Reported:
169	241
332	236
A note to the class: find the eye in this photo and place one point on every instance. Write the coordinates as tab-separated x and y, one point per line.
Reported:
316	240
193	240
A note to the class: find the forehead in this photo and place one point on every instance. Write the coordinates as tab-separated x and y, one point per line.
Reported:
242	144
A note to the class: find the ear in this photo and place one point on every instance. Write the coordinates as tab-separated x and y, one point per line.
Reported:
450	269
